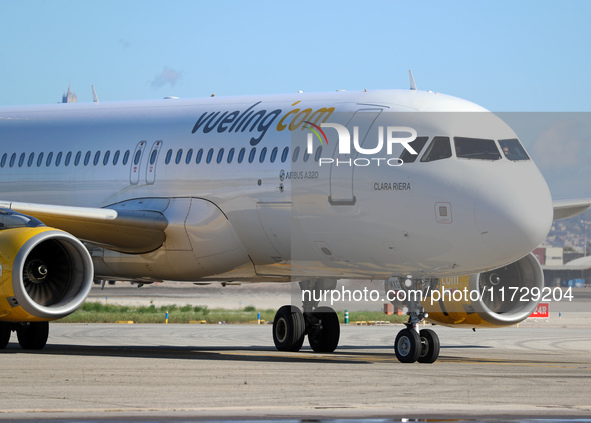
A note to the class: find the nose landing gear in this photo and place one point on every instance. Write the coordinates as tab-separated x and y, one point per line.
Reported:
412	344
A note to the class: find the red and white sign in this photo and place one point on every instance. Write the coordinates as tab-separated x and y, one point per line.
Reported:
542	311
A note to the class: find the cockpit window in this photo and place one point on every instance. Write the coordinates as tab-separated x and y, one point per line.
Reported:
513	150
440	148
476	148
418	145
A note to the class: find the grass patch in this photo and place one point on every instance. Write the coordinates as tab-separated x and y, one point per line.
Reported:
92	312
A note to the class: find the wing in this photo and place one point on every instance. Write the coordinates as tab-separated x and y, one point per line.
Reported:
563	209
127	231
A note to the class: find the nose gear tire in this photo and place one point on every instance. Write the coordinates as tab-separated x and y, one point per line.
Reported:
407	346
429	350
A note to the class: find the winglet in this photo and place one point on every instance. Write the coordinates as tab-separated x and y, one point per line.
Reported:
94	96
412	81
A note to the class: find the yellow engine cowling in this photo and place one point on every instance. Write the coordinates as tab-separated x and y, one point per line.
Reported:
45	274
506	298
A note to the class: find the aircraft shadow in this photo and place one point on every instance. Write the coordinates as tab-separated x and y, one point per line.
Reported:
219	353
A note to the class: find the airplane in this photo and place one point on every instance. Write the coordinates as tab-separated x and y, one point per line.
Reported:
415	188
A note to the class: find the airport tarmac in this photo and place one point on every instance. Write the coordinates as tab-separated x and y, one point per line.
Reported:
174	372
148	372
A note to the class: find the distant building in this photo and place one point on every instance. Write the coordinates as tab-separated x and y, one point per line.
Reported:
69	97
554	256
576	273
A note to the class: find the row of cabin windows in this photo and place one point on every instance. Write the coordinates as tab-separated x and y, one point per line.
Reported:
66	158
218	156
76	159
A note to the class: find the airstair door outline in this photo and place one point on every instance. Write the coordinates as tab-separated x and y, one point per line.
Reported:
152	162
341	172
136	161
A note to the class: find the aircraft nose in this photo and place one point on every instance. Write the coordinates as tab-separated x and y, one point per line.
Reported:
517	217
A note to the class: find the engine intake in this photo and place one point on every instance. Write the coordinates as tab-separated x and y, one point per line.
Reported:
507	291
499	297
46	274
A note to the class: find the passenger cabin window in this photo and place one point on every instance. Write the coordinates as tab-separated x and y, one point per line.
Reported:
274	154
230	155
220	156
116	157
189	156
284	154
318	154
476	148
199	156
418	145
168	157
439	149
126	157
513	150
241	154
49	157
209	156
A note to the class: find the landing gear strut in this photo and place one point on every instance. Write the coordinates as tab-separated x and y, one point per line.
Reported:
411	344
321	324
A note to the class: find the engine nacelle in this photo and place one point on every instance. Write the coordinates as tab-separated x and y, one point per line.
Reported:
504	296
45	273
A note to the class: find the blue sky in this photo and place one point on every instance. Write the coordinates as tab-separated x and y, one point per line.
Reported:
519	56
504	55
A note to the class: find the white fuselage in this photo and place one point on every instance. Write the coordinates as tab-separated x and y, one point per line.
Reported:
273	218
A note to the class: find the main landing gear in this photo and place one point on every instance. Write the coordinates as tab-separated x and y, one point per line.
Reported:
412	344
321	324
31	335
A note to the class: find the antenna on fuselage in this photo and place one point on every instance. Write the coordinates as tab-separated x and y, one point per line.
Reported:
413	86
94	96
